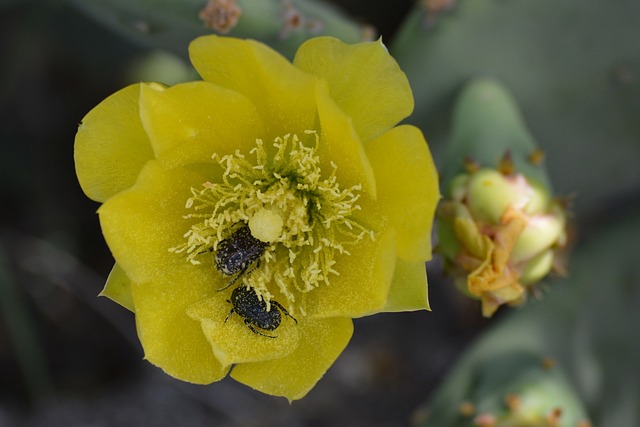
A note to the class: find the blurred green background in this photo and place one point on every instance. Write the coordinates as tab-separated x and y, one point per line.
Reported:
70	358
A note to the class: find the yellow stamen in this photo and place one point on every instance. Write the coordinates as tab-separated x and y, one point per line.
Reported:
287	201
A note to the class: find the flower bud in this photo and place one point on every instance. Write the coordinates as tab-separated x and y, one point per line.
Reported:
499	233
499	227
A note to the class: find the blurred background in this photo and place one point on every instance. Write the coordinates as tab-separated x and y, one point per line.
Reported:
69	358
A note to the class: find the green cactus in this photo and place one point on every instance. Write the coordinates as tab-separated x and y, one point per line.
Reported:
573	66
172	24
588	326
574	69
499	228
487	124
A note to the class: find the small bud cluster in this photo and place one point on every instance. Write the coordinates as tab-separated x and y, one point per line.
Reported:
499	233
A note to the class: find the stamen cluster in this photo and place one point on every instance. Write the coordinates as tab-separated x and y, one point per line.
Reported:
317	216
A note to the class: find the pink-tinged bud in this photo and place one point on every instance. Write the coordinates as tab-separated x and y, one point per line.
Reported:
499	233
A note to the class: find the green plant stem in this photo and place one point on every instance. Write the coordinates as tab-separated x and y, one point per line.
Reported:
26	345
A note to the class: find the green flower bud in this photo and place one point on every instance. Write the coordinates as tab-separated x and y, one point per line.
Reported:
505	230
537	267
489	193
499	226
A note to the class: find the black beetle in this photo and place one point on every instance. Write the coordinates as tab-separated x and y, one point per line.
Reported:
253	310
238	252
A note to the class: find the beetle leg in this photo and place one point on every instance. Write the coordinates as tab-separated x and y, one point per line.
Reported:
284	310
205	251
234	280
255	331
230	313
240	274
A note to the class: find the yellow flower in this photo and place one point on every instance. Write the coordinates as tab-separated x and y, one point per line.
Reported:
252	215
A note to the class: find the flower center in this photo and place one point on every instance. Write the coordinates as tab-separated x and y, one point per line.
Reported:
299	220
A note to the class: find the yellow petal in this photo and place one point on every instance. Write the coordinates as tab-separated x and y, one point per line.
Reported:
140	225
489	306
507	235
487	280
231	339
363	284
170	338
321	342
284	95
111	147
341	146
189	122
408	290
118	288
364	79
407	184
491	301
